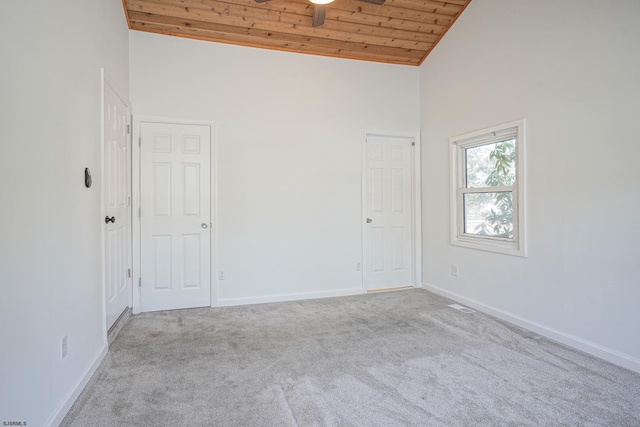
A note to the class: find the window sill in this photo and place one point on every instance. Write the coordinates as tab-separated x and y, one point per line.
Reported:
490	245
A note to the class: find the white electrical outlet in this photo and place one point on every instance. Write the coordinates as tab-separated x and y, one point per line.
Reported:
63	347
454	270
358	266
221	275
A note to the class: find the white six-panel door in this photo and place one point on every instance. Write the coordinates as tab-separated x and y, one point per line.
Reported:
388	207
117	185
175	217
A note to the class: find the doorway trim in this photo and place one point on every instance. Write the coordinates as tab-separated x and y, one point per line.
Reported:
416	202
138	120
106	80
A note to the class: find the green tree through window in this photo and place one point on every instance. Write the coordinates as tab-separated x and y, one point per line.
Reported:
499	220
490	165
487	197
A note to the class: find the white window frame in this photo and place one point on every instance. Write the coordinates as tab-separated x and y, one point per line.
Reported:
516	245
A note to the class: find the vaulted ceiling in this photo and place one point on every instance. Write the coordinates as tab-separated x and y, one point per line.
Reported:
398	31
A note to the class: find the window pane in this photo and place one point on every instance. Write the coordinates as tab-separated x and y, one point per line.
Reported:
489	214
491	165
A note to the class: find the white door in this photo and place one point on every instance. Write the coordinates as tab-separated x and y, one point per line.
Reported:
388	206
117	221
175	217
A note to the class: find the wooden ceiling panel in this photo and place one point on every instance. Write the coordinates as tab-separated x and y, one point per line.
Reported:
399	31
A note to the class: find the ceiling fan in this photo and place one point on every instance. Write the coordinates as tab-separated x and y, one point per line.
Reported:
320	10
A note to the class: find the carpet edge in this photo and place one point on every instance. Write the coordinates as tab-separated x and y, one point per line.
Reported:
597	350
230	302
67	402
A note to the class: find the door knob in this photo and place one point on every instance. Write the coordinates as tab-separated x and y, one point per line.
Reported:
108	220
204	225
369	220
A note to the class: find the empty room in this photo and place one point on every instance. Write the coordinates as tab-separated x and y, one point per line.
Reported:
301	213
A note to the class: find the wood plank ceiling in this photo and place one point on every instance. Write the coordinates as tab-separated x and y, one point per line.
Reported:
399	31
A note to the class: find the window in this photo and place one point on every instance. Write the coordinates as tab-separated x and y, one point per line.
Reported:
487	194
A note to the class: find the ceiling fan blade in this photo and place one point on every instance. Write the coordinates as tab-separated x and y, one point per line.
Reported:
261	1
319	13
378	2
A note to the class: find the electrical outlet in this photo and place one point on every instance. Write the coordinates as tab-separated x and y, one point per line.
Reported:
63	347
454	270
221	275
358	266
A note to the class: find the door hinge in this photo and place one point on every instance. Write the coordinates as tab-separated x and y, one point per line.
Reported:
128	201
413	143
128	273
139	282
139	213
139	141
128	129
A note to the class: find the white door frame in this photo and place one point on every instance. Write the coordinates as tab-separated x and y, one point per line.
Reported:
106	80
416	203
138	120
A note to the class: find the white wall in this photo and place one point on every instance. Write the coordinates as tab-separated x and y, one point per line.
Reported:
289	153
570	68
50	242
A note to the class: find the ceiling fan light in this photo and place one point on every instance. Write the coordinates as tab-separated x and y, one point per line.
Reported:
321	1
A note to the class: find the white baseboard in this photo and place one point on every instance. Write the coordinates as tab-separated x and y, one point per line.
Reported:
594	349
70	398
228	302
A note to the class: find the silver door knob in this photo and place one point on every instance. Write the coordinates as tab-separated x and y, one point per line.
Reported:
204	225
369	220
